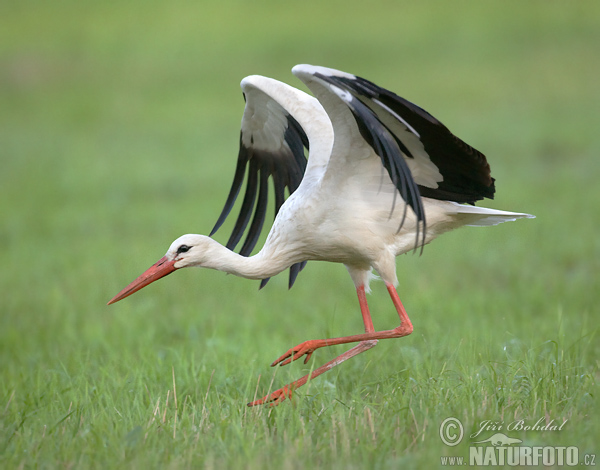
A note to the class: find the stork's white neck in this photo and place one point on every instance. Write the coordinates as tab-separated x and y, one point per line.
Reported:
208	253
252	267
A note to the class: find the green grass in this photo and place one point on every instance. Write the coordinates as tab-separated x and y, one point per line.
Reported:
118	133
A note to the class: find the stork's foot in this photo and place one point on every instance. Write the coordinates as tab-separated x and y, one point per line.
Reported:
295	353
274	398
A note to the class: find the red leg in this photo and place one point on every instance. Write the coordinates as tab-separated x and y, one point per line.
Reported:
366	341
286	392
308	347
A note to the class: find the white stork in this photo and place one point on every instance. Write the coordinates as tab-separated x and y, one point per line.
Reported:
383	177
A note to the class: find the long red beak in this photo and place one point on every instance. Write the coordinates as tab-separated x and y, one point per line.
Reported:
160	269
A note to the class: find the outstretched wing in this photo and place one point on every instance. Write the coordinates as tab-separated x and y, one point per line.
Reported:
443	166
420	154
272	146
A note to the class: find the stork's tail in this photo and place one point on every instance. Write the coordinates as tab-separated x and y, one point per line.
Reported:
482	216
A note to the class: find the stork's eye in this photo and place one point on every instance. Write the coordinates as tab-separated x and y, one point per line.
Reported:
183	249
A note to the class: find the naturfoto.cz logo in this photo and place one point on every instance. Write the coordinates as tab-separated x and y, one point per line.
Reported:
499	449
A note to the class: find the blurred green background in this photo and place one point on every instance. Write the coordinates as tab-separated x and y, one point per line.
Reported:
119	128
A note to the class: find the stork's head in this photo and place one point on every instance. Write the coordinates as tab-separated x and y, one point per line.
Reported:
187	250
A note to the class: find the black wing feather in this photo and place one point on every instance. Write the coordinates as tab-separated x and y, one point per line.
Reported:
236	185
259	214
294	271
247	205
